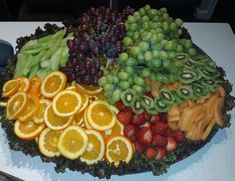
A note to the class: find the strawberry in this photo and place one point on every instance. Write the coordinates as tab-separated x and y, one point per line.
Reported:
161	153
156	118
124	117
159	141
139	148
129	130
171	144
163	117
150	152
178	135
145	125
160	128
144	135
147	116
138	119
149	94
120	105
132	138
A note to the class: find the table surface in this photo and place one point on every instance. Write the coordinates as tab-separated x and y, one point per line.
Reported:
215	161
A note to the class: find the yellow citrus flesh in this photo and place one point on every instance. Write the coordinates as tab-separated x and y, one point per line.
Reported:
86	123
73	142
31	109
88	89
47	142
27	130
95	149
56	122
16	105
53	84
35	84
118	148
100	116
67	103
116	130
24	84
85	102
39	116
79	118
10	88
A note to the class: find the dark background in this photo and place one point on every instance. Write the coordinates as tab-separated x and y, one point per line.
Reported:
59	10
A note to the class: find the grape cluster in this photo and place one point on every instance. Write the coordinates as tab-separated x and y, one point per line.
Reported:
99	33
151	46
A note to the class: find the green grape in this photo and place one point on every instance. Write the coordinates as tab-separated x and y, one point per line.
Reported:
130	70
146	25
155	18
140	57
163	55
153	77
115	79
134	51
166	63
145	72
147	87
145	19
139	81
165	79
188	44
179	22
180	32
108	87
148	56
165	16
192	51
133	27
147	7
131	62
171	55
137	88
142	11
102	81
156	54
127	41
159	76
109	78
137	15
129	33
146	36
152	13
130	80
173	26
131	19
159	30
136	35
123	57
179	48
154	25
165	26
172	78
123	75
169	45
160	37
153	39
124	85
108	94
156	63
116	95
143	46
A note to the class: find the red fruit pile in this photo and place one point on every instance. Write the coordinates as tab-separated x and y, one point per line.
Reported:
150	135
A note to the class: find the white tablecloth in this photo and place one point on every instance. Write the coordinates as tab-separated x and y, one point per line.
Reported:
215	161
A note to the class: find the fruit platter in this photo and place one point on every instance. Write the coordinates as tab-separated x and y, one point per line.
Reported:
113	93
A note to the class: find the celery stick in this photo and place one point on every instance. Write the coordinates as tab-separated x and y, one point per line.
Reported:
55	60
33	71
42	73
45	39
27	65
45	64
37	58
20	64
30	44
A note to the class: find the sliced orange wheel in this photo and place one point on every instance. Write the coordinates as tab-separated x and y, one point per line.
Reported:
3	104
10	88
53	84
95	149
118	148
88	89
39	116
31	109
85	102
24	84
27	130
100	116
79	118
35	84
16	105
67	103
117	129
47	142
73	142
86	123
56	122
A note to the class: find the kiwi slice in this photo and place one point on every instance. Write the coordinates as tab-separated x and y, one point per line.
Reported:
161	105
147	102
127	97
188	76
199	91
152	111
205	73
182	57
185	92
167	96
178	100
136	105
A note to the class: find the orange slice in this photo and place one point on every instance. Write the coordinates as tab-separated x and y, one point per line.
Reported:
85	102
73	142
53	84
27	130
117	129
79	118
31	109
35	84
10	88
67	103
39	116
16	105
88	89
118	148
24	84
47	142
100	116
56	122
95	149
3	104
86	123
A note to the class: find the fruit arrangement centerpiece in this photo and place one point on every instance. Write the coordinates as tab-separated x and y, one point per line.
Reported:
113	93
